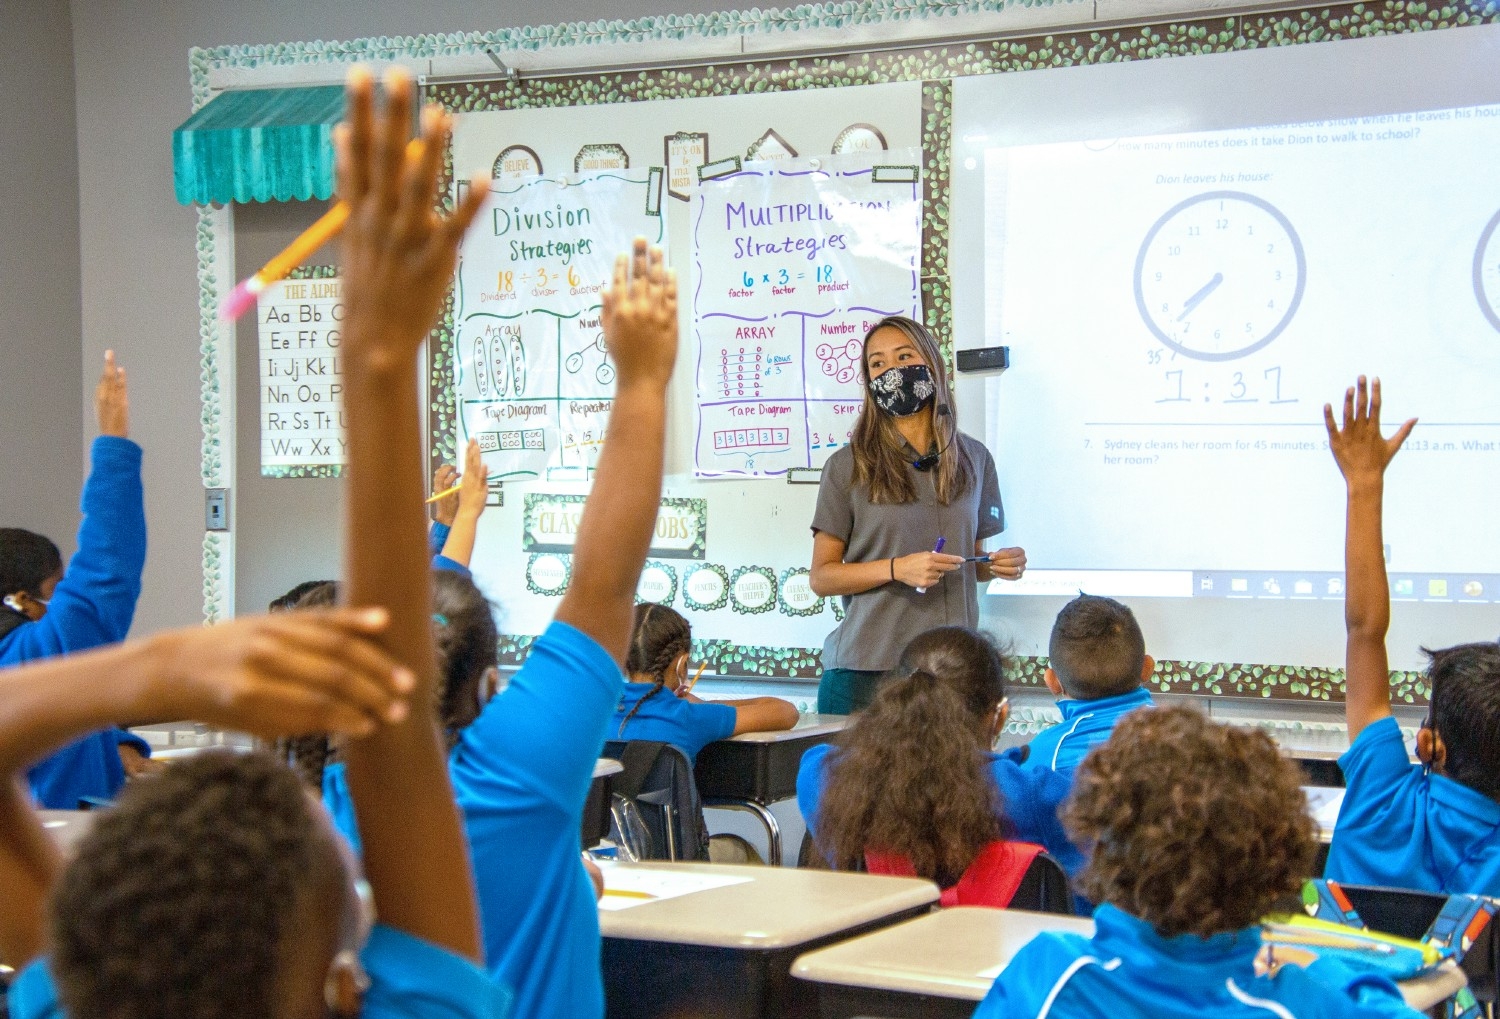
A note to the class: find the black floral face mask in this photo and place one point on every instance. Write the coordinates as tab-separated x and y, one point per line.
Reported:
904	390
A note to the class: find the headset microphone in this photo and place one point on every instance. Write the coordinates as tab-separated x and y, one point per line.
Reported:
930	460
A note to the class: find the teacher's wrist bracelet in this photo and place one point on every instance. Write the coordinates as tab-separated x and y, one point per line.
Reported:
893	567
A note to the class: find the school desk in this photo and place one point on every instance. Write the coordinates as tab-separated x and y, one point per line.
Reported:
753	770
726	949
941	964
936	966
596	807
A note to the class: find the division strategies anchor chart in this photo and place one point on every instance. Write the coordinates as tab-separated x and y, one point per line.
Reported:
535	382
793	262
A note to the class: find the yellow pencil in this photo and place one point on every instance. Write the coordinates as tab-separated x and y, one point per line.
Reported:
314	237
628	893
444	494
694	681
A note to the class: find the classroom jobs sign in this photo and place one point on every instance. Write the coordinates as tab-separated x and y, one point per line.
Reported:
301	386
793	263
535	381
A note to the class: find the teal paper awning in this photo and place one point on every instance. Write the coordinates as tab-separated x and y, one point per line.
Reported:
258	145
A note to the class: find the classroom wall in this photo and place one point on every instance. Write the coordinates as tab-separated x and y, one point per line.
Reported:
41	420
137	244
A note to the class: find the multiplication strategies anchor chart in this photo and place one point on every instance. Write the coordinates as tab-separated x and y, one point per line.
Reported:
792	263
535	382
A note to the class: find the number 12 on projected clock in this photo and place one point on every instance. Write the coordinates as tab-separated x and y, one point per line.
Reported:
1219	275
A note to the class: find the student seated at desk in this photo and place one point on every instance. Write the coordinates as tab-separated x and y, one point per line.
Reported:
912	781
658	661
1433	826
1097	662
1197	829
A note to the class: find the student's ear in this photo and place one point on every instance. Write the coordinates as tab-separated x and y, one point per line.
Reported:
489	683
1053	683
1001	715
1148	666
677	672
1430	749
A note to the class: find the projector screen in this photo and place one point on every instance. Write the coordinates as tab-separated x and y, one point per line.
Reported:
1187	258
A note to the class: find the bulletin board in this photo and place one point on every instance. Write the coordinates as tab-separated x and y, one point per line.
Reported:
741	584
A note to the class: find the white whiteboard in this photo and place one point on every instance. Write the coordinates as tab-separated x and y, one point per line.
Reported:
755	528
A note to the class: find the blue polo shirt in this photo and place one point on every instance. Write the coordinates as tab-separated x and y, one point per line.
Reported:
1028	796
521	773
92	606
667	718
1402	827
1084	725
409	979
1127	970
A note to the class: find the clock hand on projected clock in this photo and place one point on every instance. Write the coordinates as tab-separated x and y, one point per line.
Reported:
1200	296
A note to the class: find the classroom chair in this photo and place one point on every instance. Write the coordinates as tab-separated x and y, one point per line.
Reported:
1409	914
659	778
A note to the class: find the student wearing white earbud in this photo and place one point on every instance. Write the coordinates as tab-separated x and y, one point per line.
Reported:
903	511
50	611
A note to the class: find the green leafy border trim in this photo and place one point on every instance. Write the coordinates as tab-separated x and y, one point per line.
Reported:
671	572
813	610
690	602
308	272
549	592
745	571
933	64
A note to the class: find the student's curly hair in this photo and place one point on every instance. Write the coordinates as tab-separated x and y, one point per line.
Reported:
181	897
661	634
1465	712
1195	827
911	774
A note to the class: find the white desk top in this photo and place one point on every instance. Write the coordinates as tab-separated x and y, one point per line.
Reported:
955	953
778	907
807	725
1323	803
67	826
607	766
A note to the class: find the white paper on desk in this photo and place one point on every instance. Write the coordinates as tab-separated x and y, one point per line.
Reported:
1323	803
625	887
992	972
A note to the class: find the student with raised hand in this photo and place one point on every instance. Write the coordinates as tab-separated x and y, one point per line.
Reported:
48	611
522	770
1096	667
1187	858
457	549
217	889
657	704
1433	826
913	776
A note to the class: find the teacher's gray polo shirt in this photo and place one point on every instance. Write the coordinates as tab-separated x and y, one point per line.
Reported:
879	623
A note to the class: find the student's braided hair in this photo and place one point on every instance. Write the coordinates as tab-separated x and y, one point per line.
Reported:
661	634
467	643
306	755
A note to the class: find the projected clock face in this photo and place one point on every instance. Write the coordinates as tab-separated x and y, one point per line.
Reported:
1219	275
1487	271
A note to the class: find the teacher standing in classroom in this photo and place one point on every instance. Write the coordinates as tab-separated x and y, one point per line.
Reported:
903	511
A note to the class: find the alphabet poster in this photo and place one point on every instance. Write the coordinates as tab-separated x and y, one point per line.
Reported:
793	262
301	408
535	382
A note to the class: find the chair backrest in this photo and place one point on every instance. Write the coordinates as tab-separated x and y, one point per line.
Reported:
659	778
1409	914
1005	875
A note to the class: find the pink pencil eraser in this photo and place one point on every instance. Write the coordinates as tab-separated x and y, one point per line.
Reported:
239	301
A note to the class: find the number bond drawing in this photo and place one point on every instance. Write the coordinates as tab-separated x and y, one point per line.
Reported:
793	263
535	382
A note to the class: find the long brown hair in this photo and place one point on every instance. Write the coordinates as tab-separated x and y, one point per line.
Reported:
880	457
911	774
661	634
